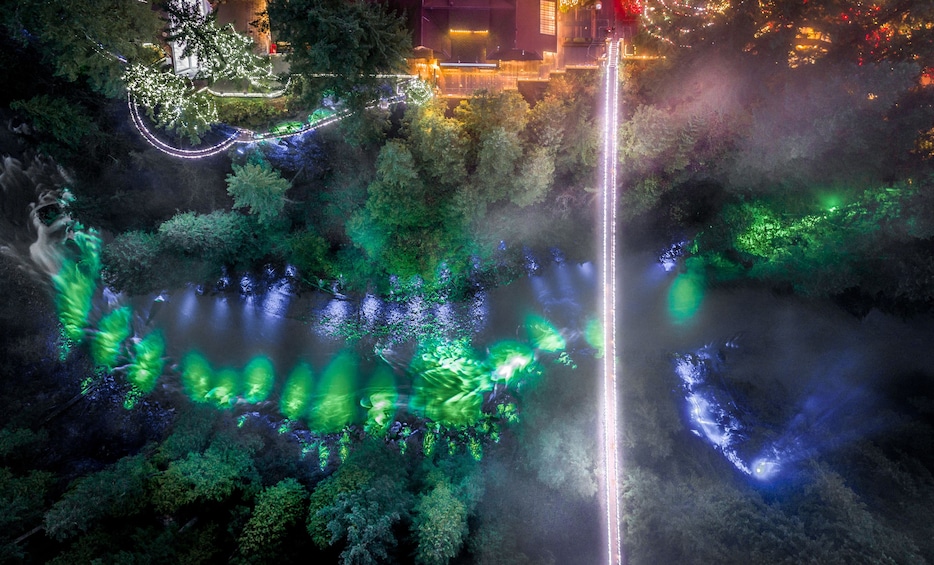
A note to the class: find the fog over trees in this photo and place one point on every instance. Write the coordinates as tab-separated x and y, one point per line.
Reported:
788	151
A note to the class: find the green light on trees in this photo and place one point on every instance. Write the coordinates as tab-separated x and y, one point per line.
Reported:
543	334
112	330
226	386
75	284
450	383
593	333
510	359
258	379
335	396
296	394
197	376
380	401
148	362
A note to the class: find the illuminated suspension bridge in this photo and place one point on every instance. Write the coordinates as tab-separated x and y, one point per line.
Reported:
610	401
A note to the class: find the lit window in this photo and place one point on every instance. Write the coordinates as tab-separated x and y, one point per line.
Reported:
546	18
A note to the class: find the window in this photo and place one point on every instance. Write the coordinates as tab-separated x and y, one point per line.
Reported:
546	18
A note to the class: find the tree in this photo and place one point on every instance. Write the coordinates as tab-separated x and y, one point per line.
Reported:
440	525
170	101
131	262
277	508
438	145
218	236
119	491
495	175
260	188
341	46
397	197
86	39
222	52
485	111
360	504
57	118
536	177
212	475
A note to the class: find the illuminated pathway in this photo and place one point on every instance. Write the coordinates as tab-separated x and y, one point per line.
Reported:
240	135
608	201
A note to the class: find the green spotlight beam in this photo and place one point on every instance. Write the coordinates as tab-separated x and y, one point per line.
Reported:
259	376
335	405
148	362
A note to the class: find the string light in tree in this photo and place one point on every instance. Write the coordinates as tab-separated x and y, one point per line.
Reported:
170	101
678	22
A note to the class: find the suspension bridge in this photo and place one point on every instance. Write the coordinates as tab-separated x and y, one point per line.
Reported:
610	408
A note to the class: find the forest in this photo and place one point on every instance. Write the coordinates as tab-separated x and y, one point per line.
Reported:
805	175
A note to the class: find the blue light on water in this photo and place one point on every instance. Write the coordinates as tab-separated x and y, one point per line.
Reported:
669	257
765	469
711	418
370	310
246	284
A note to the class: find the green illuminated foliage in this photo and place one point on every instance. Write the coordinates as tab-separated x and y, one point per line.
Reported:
148	362
438	145
826	247
258	379
226	387
543	334
398	198
511	360
197	376
335	397
535	179
296	395
359	506
380	399
498	155
450	383
75	284
260	188
347	478
486	111
593	333
113	329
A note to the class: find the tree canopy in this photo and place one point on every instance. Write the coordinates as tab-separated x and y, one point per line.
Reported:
340	47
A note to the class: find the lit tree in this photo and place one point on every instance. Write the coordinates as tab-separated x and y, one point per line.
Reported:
222	52
170	102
